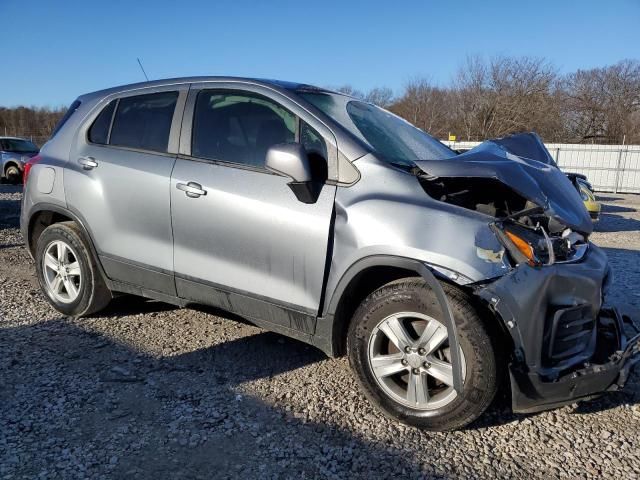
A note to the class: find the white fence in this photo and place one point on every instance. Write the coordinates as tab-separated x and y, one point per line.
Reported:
609	168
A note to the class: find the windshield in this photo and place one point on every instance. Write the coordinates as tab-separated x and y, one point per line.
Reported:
18	145
389	136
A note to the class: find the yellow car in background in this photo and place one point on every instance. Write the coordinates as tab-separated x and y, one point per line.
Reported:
586	193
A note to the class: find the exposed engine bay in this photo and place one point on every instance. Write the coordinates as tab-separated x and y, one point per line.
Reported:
538	215
551	240
484	195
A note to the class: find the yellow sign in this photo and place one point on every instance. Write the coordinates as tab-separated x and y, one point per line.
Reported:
452	138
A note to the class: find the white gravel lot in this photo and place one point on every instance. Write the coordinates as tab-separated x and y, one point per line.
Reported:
146	390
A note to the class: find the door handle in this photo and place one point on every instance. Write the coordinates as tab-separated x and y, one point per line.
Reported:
87	162
192	189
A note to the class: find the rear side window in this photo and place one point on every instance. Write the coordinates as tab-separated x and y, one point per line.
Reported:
144	121
99	131
74	106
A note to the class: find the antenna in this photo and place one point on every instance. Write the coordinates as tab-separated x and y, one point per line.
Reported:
142	68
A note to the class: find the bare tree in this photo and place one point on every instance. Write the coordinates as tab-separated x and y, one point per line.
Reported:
426	106
381	96
602	104
34	122
506	95
349	90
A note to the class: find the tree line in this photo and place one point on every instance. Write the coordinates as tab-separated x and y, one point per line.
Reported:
30	122
503	95
487	98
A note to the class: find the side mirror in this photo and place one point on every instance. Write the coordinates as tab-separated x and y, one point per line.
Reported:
291	160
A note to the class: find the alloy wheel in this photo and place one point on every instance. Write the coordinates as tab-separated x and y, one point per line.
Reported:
410	358
61	271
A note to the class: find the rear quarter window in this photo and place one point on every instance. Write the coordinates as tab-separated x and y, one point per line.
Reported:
99	131
74	106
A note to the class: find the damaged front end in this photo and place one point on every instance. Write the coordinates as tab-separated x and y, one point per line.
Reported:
567	344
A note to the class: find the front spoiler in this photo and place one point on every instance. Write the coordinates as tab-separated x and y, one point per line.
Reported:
530	393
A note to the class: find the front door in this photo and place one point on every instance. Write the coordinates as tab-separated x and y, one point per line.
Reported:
242	240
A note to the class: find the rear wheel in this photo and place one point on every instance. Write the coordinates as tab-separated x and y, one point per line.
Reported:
399	348
12	174
68	273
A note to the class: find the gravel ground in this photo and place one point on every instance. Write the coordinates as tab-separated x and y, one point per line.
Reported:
146	390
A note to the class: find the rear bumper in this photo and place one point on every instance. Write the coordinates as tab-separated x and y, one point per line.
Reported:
566	346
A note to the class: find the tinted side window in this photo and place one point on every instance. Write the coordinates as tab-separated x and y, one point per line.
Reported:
99	131
144	121
239	127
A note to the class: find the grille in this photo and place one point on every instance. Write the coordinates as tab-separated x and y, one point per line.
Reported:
571	332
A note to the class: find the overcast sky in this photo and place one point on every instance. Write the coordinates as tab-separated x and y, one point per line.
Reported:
53	51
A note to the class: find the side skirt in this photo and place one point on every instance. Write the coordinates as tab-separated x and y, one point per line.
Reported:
279	319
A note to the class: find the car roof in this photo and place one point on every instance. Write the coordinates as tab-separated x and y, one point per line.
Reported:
278	84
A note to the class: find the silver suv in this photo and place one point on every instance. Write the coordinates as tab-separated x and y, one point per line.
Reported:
328	219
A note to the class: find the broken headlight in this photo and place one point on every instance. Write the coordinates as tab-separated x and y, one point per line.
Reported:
532	245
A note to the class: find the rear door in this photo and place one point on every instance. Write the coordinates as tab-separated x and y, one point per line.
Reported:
245	242
118	182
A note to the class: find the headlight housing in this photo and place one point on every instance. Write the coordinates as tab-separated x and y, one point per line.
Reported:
523	244
583	194
532	245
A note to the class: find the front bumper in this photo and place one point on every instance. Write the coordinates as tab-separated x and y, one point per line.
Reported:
531	393
566	346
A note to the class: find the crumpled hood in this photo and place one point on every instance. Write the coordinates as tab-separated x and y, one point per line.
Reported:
527	168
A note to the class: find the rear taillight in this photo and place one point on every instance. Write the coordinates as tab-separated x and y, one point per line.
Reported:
27	168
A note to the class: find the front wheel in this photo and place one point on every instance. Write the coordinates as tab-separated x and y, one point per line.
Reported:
399	349
68	273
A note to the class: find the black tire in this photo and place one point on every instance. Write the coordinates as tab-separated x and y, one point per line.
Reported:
93	294
12	174
481	380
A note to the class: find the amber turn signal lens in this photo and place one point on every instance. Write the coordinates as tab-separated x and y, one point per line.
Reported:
523	246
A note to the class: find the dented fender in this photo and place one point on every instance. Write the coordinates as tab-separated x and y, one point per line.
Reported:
388	213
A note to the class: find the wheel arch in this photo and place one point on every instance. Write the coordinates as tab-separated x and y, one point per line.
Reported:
370	273
44	215
10	163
